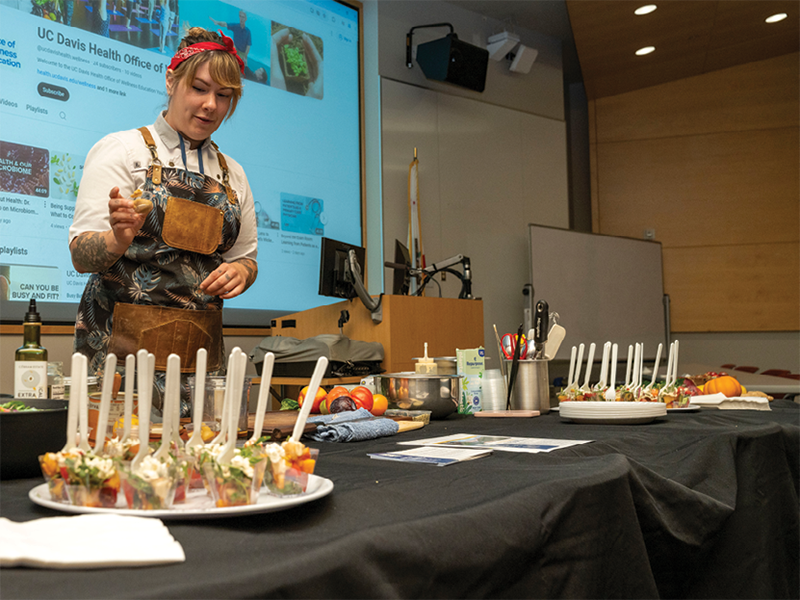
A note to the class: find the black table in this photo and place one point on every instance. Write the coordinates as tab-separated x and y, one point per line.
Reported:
697	505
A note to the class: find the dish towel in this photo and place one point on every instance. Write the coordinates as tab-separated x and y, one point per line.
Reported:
351	426
92	541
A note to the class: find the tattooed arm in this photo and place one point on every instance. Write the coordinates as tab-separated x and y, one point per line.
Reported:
96	251
231	278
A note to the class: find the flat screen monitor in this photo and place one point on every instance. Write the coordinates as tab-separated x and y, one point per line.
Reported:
402	278
73	72
336	278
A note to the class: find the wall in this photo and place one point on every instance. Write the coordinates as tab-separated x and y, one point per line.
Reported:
712	164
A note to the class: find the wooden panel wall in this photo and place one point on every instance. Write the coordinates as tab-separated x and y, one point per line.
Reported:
712	164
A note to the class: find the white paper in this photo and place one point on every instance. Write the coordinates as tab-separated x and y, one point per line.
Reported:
497	442
87	542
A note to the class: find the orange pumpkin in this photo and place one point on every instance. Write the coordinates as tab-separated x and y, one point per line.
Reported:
725	384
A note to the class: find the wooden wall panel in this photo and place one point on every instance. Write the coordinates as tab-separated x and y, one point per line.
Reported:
758	95
747	287
722	188
712	163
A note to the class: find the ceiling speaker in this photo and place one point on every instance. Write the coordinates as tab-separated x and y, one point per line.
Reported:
453	61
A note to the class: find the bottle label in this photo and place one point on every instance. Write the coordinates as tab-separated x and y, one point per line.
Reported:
30	379
57	391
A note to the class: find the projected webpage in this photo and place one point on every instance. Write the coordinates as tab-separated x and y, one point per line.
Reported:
77	70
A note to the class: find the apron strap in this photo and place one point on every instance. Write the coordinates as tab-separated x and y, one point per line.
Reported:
151	145
223	164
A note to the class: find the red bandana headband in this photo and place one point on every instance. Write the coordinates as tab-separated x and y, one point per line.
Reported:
189	51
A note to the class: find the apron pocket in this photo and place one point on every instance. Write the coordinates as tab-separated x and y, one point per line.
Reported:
163	331
192	226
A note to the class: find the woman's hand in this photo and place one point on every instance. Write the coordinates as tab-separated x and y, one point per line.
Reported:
125	221
96	251
230	279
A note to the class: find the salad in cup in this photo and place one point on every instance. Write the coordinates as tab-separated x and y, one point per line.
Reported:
151	486
237	483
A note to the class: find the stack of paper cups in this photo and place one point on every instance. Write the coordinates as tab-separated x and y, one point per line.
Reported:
493	390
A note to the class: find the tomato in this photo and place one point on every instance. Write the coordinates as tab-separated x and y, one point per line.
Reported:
379	404
338	391
362	396
320	396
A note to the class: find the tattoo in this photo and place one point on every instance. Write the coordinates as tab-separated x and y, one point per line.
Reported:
252	270
91	253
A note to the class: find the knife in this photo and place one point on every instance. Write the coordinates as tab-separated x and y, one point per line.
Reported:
541	318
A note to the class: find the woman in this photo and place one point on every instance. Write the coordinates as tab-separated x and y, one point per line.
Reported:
159	279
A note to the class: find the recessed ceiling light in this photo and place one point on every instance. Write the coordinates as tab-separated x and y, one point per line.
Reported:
776	18
645	10
645	50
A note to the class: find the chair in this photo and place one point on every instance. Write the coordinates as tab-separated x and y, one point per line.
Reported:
776	372
728	366
747	369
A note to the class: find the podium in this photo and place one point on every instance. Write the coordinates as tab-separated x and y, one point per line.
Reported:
408	322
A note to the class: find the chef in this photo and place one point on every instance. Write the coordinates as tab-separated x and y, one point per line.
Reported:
165	223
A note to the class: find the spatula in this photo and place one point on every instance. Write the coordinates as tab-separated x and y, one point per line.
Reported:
554	339
105	403
263	395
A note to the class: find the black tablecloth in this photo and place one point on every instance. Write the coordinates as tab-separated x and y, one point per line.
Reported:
695	505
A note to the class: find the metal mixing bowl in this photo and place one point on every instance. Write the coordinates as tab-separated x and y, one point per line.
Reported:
411	391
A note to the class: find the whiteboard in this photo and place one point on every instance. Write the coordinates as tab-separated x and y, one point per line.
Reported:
604	288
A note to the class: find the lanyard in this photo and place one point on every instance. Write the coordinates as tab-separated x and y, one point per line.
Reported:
199	155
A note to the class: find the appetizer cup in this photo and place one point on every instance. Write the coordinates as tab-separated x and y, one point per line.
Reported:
52	475
237	483
93	495
287	471
153	486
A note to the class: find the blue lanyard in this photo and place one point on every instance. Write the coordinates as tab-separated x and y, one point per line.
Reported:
199	155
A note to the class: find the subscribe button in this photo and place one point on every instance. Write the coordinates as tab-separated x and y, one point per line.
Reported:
56	92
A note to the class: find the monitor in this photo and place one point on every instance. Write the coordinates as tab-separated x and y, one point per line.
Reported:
336	277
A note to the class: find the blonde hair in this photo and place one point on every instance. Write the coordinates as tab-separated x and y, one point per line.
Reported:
223	67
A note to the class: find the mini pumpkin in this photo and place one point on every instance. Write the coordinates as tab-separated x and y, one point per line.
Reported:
726	385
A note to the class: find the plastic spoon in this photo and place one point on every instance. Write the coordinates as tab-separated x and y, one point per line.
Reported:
145	381
130	370
628	367
223	427
263	395
655	368
604	367
635	378
73	408
172	390
578	367
572	356
83	394
196	438
316	379
670	358
585	387
611	390
675	369
105	403
236	381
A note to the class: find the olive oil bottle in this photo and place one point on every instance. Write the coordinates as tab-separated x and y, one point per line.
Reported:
30	360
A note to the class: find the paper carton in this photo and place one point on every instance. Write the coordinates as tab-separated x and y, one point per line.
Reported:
470	365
